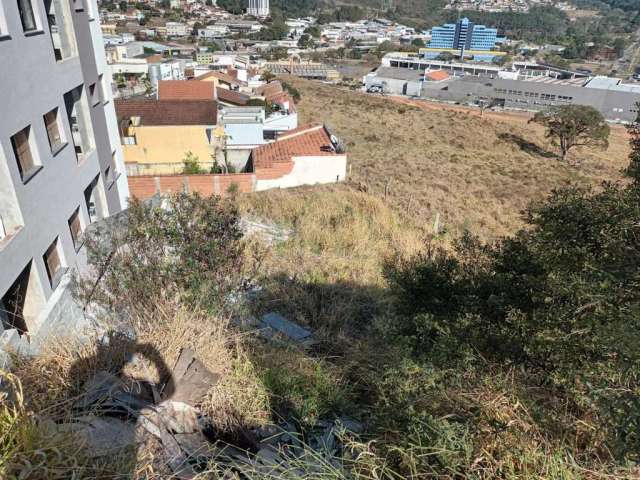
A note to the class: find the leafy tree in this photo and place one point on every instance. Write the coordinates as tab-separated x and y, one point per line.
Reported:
570	126
191	165
277	30
417	42
306	41
233	6
445	57
619	45
293	91
633	170
501	60
123	6
267	76
312	31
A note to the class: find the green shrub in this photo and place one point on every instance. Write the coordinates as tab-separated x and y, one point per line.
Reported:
305	388
190	248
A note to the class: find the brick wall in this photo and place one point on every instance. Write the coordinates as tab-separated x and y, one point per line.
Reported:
146	186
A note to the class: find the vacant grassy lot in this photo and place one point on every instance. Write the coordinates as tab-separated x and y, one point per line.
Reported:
478	173
475	419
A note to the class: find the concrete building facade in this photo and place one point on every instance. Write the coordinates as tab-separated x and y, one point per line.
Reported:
258	8
61	167
462	36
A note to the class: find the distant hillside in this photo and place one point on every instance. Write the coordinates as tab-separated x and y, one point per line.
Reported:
478	173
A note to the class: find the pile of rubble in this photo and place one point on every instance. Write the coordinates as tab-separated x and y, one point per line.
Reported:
115	414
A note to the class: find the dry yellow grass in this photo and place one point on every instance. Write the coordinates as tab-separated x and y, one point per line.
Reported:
478	173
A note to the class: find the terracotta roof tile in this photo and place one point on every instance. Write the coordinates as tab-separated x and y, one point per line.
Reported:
269	89
223	77
168	112
437	75
185	90
231	96
309	140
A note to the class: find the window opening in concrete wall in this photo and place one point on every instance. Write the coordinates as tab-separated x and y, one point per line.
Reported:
54	132
22	303
10	215
101	90
93	94
54	263
61	29
28	16
95	200
24	149
76	228
111	173
4	30
79	122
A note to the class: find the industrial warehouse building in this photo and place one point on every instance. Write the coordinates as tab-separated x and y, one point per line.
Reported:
520	89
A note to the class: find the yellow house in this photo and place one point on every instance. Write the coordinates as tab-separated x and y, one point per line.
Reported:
157	136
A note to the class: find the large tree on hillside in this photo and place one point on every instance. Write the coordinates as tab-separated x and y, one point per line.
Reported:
570	126
633	170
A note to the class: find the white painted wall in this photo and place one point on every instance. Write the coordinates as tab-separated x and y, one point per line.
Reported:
310	171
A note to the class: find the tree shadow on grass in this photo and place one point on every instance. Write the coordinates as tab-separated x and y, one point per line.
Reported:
526	145
341	306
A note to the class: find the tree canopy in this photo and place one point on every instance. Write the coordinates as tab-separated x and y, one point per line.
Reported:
570	126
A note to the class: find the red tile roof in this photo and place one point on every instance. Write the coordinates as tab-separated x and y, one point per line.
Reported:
269	89
306	141
168	112
185	90
231	96
437	75
223	77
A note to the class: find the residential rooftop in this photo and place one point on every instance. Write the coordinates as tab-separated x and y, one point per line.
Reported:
306	141
168	112
185	90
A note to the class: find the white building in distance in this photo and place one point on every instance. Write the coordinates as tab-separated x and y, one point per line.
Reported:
258	8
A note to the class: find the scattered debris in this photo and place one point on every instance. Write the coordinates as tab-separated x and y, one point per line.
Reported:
104	436
268	232
274	322
115	413
190	379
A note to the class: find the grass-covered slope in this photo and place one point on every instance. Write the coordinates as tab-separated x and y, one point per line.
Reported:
478	173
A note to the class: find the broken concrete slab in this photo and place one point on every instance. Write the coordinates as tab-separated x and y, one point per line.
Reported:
278	323
190	379
104	436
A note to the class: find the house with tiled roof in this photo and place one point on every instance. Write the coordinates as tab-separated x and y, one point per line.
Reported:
307	155
231	97
157	135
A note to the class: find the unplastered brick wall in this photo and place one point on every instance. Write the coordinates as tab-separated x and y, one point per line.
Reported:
146	186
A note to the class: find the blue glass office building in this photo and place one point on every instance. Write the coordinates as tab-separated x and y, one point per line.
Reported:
463	36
